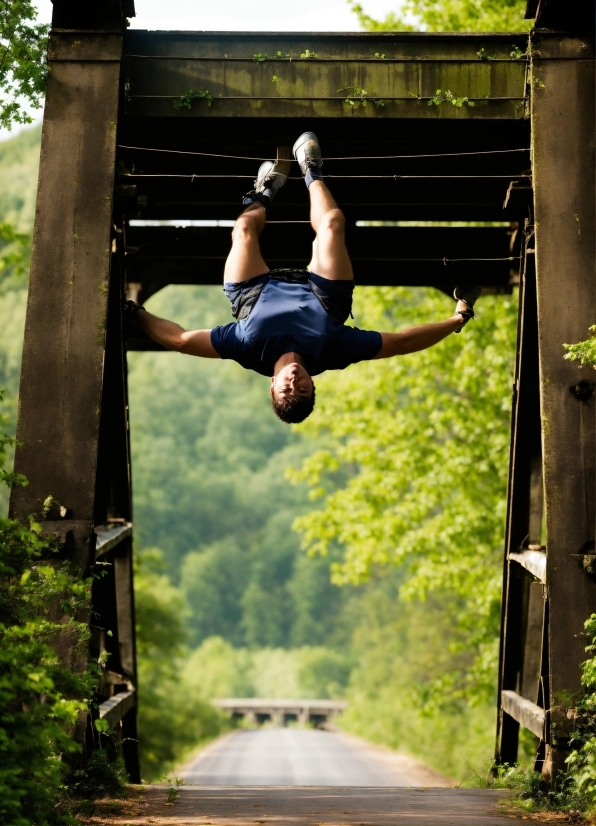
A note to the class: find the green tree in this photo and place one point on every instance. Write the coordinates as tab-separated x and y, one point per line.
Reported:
23	69
40	697
213	581
426	440
450	16
172	719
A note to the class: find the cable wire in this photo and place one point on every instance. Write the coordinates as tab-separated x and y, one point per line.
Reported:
192	177
348	158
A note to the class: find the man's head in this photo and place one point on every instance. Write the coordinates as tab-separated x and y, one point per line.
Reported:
292	394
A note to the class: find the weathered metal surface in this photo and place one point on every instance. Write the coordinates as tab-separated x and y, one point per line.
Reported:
532	561
413	256
72	424
108	536
526	713
530	678
382	75
71	47
563	119
445	197
525	447
61	377
114	709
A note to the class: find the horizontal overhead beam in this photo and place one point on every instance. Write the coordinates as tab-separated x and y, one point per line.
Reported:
397	256
356	195
368	75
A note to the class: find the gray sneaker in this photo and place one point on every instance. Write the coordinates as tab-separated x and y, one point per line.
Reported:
307	152
271	176
469	295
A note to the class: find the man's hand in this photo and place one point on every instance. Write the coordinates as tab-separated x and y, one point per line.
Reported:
174	337
418	338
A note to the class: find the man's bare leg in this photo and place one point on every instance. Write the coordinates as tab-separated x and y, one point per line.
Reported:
330	257
245	260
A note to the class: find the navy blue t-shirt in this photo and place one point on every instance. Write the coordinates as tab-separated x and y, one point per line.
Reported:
288	317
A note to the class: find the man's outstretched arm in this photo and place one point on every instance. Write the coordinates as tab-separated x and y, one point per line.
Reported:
418	338
174	337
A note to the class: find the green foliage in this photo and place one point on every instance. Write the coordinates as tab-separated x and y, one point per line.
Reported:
40	697
424	440
174	784
18	162
217	669
584	351
446	96
15	250
449	15
404	655
259	58
358	97
185	100
171	718
308	55
582	759
23	66
533	794
214	581
103	775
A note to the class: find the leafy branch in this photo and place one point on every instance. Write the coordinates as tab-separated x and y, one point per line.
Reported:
583	351
23	62
357	96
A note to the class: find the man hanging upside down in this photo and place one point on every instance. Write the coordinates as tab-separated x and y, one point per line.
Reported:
290	324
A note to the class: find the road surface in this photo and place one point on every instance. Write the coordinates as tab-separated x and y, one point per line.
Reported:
303	757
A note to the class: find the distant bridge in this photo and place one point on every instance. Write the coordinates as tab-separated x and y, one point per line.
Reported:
281	712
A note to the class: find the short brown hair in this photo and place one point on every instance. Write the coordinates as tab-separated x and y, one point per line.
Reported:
294	410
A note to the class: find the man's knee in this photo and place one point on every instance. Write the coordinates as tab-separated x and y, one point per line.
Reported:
333	222
245	228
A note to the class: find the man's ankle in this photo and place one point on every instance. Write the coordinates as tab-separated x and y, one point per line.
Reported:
259	199
313	174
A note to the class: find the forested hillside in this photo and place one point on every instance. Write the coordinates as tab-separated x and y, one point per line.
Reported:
406	460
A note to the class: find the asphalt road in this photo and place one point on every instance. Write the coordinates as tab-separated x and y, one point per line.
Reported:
303	757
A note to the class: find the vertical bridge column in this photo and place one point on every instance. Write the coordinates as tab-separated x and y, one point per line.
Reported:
73	391
563	121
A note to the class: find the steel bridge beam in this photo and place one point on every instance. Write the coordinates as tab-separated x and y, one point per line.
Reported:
545	605
72	428
395	151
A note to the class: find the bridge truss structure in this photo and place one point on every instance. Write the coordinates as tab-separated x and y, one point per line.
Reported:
419	128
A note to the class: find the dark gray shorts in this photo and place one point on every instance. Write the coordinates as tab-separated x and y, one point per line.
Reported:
335	296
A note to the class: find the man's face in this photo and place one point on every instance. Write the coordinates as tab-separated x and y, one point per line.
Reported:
291	382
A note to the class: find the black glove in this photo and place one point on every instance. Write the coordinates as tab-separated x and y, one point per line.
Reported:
466	315
130	309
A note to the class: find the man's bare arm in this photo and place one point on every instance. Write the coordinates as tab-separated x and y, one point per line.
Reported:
174	337
417	338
